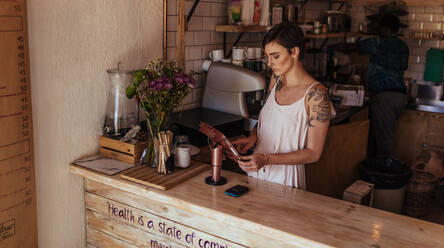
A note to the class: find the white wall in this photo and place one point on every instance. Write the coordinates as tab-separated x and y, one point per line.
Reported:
72	44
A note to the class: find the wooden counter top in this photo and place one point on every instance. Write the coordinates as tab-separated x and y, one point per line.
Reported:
293	217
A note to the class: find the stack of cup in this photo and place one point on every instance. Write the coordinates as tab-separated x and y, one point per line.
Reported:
239	55
254	59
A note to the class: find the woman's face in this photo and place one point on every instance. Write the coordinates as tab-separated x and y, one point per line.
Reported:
279	60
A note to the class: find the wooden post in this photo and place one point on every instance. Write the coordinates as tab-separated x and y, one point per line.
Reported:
180	45
18	218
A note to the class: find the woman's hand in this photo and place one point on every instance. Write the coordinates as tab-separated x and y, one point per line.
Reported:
253	162
244	144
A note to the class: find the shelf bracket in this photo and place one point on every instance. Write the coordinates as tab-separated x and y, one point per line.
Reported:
234	44
323	44
190	14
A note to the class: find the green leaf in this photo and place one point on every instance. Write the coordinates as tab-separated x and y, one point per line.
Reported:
131	91
138	77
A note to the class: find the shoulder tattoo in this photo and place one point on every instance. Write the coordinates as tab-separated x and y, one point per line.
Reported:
320	110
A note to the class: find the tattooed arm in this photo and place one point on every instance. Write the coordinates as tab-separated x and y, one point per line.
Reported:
319	115
318	106
318	109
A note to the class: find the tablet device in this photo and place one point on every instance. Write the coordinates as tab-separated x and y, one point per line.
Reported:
218	137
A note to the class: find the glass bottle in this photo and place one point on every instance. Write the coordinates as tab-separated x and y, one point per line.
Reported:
182	151
121	112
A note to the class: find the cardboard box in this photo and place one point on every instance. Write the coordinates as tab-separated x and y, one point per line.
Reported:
353	95
360	192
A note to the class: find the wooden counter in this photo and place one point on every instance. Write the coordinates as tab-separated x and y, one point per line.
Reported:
124	214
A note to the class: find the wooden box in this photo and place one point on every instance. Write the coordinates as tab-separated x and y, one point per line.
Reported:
126	152
360	192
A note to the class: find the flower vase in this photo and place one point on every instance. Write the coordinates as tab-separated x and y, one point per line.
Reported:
151	153
159	89
156	126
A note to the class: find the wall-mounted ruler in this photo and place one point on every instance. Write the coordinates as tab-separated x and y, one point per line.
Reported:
18	220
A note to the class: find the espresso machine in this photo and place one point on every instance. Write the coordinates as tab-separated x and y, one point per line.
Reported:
231	103
235	90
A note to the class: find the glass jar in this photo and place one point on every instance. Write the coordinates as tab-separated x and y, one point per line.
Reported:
121	112
182	151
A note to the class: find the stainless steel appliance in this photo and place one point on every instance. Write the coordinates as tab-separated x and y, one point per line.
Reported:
231	102
235	90
426	96
227	87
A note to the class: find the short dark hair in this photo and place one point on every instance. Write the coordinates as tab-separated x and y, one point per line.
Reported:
390	21
287	35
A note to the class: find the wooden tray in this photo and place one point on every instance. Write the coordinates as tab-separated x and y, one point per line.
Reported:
148	176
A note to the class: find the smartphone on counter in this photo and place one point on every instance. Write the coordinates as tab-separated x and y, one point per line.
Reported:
237	190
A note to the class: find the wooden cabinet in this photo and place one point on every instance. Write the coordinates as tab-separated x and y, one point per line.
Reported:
414	129
345	149
121	213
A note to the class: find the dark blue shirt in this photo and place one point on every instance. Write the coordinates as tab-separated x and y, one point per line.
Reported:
389	57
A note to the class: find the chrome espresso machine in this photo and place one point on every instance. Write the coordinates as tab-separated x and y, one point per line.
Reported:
235	90
232	99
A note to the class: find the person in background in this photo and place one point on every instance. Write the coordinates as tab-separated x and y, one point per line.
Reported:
388	60
294	121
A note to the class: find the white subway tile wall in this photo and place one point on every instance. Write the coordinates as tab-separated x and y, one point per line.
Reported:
419	19
201	38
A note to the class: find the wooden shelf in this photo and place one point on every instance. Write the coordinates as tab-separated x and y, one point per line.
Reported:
417	38
337	35
241	29
408	2
327	35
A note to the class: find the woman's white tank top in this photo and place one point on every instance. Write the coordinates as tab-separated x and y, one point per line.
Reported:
282	129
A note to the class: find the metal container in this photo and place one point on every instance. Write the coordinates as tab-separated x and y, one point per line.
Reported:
429	91
426	97
291	13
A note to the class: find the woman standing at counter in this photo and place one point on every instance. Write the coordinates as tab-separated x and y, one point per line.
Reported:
294	121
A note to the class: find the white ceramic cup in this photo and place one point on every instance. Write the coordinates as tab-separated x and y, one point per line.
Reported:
239	53
257	53
216	55
251	53
206	64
